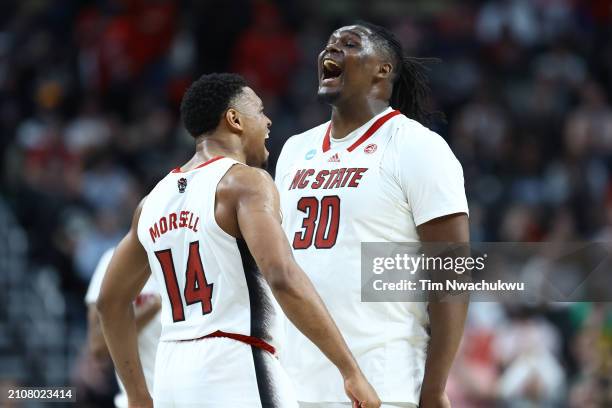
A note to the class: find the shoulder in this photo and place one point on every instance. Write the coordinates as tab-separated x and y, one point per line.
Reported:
415	149
408	132
410	138
158	189
138	226
138	211
242	179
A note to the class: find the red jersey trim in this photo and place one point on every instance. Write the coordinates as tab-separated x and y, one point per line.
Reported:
375	126
250	340
214	159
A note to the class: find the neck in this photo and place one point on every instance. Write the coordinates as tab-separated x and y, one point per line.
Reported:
207	147
350	115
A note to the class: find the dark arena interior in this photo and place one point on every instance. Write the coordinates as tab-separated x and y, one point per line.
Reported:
89	114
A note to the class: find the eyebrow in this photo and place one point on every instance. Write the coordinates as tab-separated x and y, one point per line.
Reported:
353	32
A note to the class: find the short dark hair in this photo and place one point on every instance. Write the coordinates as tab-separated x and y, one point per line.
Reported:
207	99
410	84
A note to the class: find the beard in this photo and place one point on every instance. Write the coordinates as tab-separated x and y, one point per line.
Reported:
328	97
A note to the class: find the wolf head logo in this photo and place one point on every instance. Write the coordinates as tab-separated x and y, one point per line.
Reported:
182	184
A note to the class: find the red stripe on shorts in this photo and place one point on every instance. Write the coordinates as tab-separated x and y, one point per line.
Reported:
250	340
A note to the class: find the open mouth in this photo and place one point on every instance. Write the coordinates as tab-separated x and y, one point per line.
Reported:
331	70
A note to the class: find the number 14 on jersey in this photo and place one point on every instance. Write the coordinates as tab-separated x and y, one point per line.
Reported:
197	289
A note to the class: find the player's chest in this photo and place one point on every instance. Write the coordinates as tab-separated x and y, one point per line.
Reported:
337	177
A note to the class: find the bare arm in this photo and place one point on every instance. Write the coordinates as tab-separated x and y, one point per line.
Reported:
446	318
126	275
257	209
95	337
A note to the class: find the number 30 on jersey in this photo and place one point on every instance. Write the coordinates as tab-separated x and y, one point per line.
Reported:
320	223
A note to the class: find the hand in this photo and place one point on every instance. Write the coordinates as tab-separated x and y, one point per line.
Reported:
361	392
148	301
156	302
434	400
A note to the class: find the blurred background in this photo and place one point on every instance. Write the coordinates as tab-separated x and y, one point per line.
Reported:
89	96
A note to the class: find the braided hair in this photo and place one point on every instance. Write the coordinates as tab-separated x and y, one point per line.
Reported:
410	86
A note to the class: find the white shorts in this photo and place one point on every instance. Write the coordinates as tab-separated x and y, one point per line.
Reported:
219	373
348	405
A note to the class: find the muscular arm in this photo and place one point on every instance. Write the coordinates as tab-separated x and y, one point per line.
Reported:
256	204
95	338
126	275
446	318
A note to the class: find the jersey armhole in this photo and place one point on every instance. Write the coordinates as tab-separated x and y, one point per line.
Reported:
213	215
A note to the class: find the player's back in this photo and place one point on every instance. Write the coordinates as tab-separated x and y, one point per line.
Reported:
210	282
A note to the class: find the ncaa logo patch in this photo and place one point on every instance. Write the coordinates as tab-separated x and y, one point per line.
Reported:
371	148
310	154
182	184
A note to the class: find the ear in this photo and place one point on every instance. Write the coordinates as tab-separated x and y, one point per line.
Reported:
385	70
234	120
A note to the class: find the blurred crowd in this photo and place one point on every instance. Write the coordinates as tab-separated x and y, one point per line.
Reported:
89	96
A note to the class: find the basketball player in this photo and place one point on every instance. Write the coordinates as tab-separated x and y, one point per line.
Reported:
371	174
146	318
197	230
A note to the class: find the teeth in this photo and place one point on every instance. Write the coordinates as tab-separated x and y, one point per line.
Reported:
331	65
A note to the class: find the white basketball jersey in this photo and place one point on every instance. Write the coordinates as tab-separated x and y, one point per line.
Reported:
375	185
209	279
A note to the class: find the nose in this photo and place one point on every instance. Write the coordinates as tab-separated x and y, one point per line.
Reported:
269	122
332	47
